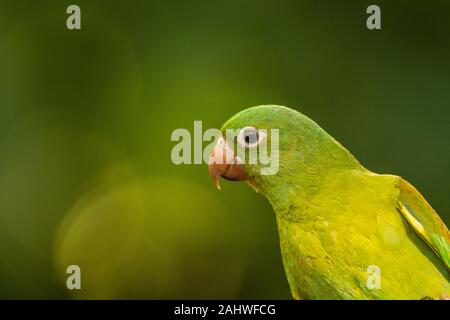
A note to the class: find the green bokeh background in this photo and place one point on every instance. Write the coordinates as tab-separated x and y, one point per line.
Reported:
86	116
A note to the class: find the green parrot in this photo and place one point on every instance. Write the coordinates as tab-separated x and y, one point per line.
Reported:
345	232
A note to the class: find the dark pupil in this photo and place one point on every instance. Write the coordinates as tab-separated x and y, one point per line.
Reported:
251	137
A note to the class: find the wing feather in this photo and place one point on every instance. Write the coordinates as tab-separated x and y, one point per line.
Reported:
424	221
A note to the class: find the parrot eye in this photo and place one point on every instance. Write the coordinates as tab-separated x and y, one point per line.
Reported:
248	137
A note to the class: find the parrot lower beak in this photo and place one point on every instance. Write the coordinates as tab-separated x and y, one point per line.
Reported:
223	163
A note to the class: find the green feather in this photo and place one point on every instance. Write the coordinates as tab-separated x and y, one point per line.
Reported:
336	219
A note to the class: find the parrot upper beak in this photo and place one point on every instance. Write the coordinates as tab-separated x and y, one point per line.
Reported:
223	163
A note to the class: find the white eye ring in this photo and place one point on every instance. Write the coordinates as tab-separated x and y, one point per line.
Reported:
249	137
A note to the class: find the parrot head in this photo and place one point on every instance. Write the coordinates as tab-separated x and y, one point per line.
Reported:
276	150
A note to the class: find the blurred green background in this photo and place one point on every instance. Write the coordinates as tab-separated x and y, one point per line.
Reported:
86	116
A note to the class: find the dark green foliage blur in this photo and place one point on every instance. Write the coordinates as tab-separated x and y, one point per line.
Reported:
86	116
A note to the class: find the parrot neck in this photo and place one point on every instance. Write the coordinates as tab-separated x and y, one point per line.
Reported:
298	185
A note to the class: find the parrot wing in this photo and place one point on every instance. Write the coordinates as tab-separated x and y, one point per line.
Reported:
424	221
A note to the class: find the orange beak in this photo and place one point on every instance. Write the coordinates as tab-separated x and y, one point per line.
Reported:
223	163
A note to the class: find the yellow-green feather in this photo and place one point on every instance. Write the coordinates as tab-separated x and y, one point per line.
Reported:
336	219
424	220
351	224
